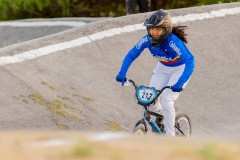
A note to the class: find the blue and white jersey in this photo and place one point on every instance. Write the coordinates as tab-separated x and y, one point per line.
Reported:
171	52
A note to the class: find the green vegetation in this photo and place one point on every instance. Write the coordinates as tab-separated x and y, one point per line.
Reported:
77	94
48	85
114	126
10	42
65	98
211	151
83	97
21	9
57	108
82	149
61	106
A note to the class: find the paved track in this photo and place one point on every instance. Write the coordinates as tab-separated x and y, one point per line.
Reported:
75	88
18	31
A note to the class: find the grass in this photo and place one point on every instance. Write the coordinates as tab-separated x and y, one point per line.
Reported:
48	85
214	151
154	147
9	43
83	97
65	98
57	122
82	149
81	146
57	108
77	94
114	126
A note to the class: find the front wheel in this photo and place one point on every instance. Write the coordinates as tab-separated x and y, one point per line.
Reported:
140	128
182	126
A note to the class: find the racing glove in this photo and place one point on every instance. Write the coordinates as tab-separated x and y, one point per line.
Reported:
177	87
121	78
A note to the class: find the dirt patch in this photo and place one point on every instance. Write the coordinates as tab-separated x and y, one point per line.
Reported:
77	145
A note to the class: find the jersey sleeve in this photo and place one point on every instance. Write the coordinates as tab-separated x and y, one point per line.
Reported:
133	54
189	63
188	70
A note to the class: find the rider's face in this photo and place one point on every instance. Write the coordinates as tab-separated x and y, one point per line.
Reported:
156	32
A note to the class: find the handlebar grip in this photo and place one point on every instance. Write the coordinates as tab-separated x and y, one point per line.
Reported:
170	87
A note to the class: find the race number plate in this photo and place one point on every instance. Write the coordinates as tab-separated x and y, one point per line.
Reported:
146	95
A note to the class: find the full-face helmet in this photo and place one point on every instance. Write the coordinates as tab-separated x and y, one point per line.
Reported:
160	19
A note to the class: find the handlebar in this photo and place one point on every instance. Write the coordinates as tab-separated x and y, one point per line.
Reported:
144	94
128	81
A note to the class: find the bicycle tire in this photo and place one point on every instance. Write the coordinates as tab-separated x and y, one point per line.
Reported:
139	130
182	121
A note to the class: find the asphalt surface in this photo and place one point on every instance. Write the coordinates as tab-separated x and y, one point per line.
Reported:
18	31
75	88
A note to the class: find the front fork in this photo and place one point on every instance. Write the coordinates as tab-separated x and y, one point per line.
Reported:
147	118
143	120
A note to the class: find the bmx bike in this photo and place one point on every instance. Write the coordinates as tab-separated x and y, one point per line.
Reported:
146	97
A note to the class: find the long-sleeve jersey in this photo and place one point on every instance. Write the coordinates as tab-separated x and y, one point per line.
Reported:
171	52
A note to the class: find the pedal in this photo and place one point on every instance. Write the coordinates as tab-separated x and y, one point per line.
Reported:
159	122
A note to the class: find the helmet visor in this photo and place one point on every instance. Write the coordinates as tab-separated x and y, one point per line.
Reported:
156	19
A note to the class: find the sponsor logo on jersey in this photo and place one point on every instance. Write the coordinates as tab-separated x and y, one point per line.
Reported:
163	58
166	60
139	44
175	48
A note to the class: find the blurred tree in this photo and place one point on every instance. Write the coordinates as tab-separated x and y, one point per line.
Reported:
19	9
172	4
208	2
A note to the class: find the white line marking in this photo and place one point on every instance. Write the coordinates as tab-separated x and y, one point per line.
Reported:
108	136
32	54
206	15
55	142
42	23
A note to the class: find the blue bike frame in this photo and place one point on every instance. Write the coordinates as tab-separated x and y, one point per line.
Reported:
146	118
145	104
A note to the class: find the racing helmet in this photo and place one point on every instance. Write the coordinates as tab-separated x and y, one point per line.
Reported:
159	18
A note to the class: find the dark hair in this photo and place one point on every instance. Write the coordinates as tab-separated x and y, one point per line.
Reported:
179	31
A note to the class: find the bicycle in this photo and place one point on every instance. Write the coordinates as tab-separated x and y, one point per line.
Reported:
146	97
